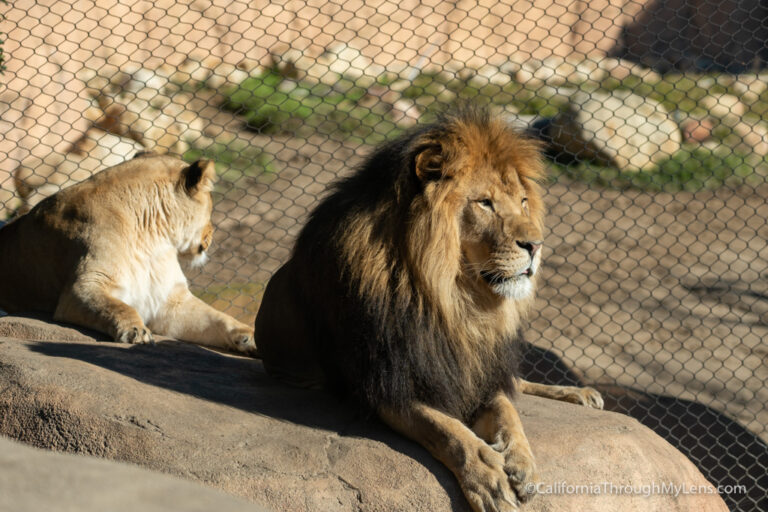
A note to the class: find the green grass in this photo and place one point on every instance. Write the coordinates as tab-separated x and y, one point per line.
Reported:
234	160
275	104
689	170
684	91
271	103
675	92
449	88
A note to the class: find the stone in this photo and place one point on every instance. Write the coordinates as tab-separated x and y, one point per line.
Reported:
220	420
751	137
750	86
621	69
726	107
696	130
620	129
33	480
556	71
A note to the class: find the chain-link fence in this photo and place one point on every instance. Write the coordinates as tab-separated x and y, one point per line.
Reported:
655	281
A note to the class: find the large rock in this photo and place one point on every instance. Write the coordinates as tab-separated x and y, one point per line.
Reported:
620	129
220	420
33	480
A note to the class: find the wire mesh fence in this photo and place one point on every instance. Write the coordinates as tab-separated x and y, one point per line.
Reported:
655	281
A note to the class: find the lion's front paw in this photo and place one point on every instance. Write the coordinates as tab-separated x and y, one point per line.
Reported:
243	341
485	483
590	397
135	335
520	468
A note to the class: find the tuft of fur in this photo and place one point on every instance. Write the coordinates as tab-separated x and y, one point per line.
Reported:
379	280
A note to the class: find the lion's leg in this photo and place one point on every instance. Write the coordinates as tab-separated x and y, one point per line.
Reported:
188	318
587	396
478	467
499	425
287	341
90	304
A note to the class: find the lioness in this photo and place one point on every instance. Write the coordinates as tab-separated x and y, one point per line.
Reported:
406	289
105	253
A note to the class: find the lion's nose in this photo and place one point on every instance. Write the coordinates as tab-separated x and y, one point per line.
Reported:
531	247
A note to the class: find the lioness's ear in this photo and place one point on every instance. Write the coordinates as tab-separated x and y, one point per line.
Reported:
429	162
199	177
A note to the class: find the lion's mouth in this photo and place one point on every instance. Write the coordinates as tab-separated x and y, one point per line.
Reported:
517	286
495	278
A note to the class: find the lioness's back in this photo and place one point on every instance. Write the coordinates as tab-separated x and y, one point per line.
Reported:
40	251
33	281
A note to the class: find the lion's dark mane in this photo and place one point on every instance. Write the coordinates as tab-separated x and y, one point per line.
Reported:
381	350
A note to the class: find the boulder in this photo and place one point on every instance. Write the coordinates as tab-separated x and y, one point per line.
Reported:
726	107
33	480
750	86
620	129
620	69
220	420
749	137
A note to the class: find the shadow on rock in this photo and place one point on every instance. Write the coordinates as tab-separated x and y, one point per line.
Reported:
243	383
234	381
723	450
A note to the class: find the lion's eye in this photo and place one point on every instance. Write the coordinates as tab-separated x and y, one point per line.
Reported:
486	203
525	205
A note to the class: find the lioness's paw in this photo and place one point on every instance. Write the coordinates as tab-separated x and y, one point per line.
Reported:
486	484
243	341
135	335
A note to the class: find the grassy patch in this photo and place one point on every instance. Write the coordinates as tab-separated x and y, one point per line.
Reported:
272	103
676	91
690	170
234	160
446	89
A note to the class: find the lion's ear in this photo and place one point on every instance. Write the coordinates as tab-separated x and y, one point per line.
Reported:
199	177
429	163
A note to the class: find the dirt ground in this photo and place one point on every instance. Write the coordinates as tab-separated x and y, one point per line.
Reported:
664	293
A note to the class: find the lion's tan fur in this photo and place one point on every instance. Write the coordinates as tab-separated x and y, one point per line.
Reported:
436	282
105	254
407	287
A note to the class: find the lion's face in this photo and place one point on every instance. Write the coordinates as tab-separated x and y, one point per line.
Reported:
483	177
196	253
194	225
500	243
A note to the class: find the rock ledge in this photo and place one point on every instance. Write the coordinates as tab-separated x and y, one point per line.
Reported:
220	420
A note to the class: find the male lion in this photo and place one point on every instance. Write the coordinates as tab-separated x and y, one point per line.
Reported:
105	254
406	289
